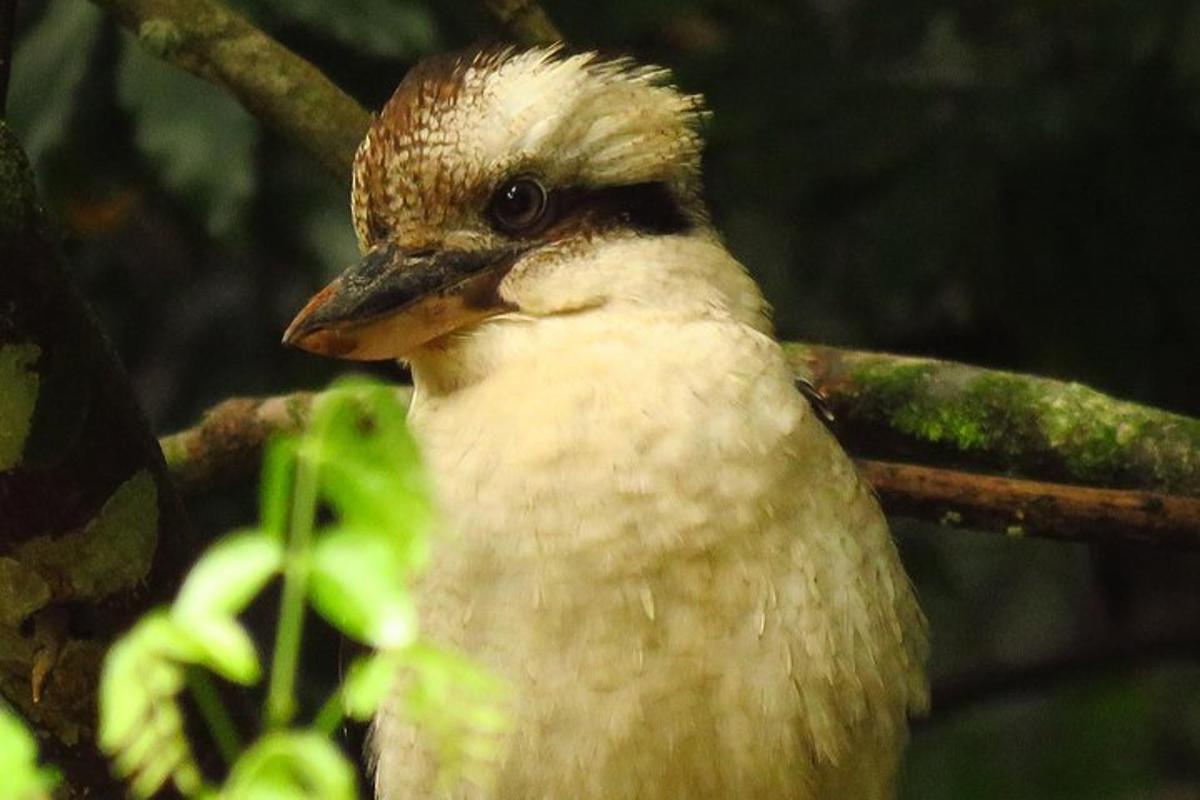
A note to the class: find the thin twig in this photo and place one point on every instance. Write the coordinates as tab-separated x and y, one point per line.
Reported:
525	21
8	24
1034	508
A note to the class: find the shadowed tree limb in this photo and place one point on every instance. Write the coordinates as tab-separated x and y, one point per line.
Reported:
273	83
887	407
91	528
1033	508
226	444
525	21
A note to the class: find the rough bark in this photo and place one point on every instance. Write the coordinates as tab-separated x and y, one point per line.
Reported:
273	83
225	446
949	414
1034	508
91	529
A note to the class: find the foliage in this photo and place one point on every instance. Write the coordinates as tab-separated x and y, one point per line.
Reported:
207	159
23	778
57	50
357	459
1011	184
388	28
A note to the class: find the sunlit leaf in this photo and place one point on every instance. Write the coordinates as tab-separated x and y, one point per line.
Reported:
291	765
224	647
23	778
460	705
141	669
358	586
275	488
196	136
371	470
369	682
141	726
229	574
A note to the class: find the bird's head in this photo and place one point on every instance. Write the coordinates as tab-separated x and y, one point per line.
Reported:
488	184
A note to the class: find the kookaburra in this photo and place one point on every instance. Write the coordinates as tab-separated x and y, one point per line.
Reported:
657	543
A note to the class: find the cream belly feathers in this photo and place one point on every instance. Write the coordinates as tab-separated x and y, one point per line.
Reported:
667	555
651	537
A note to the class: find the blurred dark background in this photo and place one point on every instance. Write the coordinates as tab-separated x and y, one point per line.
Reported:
1012	184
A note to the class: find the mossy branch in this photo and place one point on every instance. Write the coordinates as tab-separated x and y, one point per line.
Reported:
224	447
273	83
906	409
279	87
950	414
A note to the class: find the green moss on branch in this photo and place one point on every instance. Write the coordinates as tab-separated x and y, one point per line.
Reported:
940	411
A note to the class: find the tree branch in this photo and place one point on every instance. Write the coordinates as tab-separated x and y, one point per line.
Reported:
226	444
949	414
228	441
279	87
889	407
525	21
91	528
273	83
1033	508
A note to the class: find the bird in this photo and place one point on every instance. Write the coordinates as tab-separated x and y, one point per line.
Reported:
657	544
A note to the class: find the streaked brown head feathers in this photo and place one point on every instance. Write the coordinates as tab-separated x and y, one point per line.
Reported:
601	147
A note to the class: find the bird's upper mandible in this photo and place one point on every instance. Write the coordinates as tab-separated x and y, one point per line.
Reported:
484	174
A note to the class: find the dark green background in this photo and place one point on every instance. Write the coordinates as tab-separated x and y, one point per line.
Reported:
1013	184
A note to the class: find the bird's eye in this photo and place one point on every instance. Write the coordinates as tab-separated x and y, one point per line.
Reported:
519	205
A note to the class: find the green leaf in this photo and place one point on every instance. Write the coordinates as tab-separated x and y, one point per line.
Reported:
291	765
229	575
460	705
224	647
48	67
141	725
141	669
200	141
369	682
275	489
23	778
371	470
358	585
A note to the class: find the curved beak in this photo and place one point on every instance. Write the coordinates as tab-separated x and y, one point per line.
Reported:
396	300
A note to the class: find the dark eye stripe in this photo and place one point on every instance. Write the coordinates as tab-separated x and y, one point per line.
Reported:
649	208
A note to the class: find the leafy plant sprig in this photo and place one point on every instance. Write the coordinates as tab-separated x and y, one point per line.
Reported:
22	778
358	459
